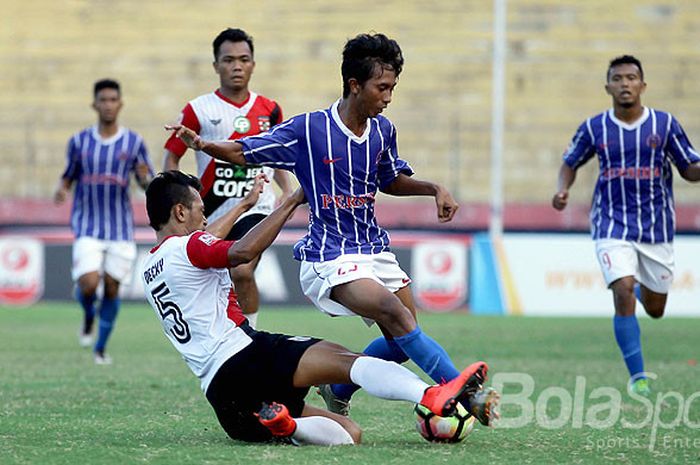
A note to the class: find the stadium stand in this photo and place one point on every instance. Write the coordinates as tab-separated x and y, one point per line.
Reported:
557	54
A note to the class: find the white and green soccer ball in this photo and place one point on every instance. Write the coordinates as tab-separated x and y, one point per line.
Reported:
435	428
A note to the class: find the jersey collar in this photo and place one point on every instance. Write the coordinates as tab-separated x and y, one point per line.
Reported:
629	126
345	130
157	246
109	140
243	106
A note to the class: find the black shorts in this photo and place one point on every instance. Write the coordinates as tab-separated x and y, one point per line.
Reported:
262	372
244	225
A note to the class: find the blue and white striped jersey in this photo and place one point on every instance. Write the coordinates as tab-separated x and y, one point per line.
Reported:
633	197
340	174
100	169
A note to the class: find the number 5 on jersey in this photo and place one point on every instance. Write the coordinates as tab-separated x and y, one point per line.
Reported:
180	330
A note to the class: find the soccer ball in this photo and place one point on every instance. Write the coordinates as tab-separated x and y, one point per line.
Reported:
444	429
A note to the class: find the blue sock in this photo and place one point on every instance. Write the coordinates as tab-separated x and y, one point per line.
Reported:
88	304
428	355
627	335
386	349
638	292
108	313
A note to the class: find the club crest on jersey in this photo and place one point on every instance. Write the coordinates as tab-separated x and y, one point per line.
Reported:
241	124
215	122
653	141
264	123
207	239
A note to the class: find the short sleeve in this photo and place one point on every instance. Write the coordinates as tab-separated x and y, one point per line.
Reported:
679	148
187	118
581	148
390	164
142	155
72	170
278	148
207	251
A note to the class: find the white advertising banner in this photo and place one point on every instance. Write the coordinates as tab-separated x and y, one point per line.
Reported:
559	275
439	275
21	270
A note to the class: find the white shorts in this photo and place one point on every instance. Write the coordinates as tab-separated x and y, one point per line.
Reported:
651	265
318	278
115	258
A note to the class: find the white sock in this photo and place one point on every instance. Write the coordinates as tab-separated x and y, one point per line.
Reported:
387	380
252	319
320	431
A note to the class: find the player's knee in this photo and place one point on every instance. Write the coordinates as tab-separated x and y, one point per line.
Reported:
395	317
88	286
356	434
111	288
623	288
655	311
352	428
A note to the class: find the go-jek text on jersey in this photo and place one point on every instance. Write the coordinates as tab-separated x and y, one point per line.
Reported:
214	117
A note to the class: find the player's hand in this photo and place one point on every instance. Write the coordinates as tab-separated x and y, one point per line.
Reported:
142	170
446	205
60	195
252	197
186	135
560	200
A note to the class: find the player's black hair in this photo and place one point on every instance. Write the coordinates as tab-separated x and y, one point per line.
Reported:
624	60
362	53
106	84
166	190
231	35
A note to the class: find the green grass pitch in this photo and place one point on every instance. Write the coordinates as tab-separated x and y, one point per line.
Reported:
57	407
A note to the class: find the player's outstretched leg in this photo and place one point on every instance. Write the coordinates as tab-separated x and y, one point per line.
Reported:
467	389
316	430
337	396
277	419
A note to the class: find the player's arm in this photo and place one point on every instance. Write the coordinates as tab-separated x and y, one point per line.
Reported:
222	226
692	172
71	173
174	147
261	236
406	185
143	169
285	184
143	175
566	178
581	149
229	151
64	185
170	161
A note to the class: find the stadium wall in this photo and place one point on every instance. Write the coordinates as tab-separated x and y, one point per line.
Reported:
36	265
520	274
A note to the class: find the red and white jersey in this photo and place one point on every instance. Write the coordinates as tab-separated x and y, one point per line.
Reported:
214	117
187	283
